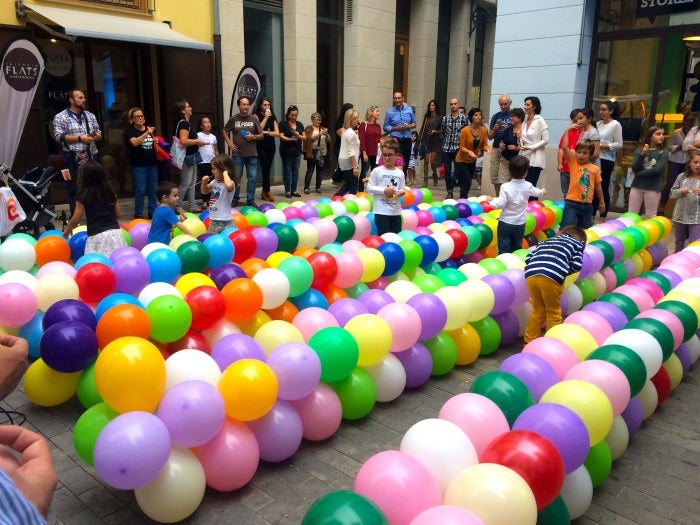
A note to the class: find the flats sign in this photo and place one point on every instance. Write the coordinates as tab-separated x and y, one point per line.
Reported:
652	8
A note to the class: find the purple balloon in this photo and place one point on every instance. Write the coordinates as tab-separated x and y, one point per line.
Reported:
375	299
564	302
278	432
509	325
226	273
537	374
345	309
503	291
68	346
612	313
560	425
124	251
297	368
517	277
633	416
596	258
131	450
417	363
630	270
432	312
617	247
139	235
672	276
267	242
234	347
69	310
309	211
132	273
685	357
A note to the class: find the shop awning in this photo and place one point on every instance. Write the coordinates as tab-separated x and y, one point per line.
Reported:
111	27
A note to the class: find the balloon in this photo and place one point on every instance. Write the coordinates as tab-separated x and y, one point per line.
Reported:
577	492
46	387
18	304
249	389
507	391
373	336
343	507
297	368
68	346
243	298
357	393
87	389
618	438
170	318
389	377
599	463
120	321
278	432
337	350
446	515
537	374
443	352
88	428
321	413
95	282
606	376
417	363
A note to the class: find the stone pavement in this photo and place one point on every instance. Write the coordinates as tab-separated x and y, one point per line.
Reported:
656	481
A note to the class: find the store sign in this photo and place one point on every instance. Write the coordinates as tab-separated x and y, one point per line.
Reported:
247	85
652	8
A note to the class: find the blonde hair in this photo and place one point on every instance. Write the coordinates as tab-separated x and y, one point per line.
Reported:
368	114
350	114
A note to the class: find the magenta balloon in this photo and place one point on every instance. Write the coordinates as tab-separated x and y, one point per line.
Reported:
321	413
555	352
292	212
509	325
432	312
374	300
417	364
278	432
132	273
266	242
615	317
594	323
650	287
560	425
346	308
503	291
537	374
131	450
234	347
633	415
297	368
425	218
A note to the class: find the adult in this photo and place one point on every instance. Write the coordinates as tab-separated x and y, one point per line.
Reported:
142	157
316	142
572	134
291	138
677	158
509	146
648	166
77	130
430	136
497	129
349	156
472	144
370	132
535	136
266	147
450	127
610	133
246	130
187	135
338	127
398	122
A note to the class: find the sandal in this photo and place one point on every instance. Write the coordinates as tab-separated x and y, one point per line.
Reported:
307	190
295	194
288	195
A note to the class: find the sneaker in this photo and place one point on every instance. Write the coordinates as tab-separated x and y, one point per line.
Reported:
318	190
449	195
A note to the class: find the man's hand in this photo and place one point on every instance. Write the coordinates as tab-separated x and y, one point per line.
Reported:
33	472
13	362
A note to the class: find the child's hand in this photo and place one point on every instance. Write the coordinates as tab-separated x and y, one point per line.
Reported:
645	148
401	193
365	180
544	191
206	179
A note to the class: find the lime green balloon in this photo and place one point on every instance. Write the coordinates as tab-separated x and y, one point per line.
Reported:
357	394
507	391
337	350
558	214
493	266
521	253
324	209
127	237
451	276
556	513
257	218
587	290
287	238
333	248
428	283
451	211
626	360
280	205
443	352
631	215
346	228
194	257
88	428
351	206
658	330
627	242
299	273
427	194
170	318
473	238
344	507
685	314
87	390
530	223
413	255
489	333
356	290
598	463
624	303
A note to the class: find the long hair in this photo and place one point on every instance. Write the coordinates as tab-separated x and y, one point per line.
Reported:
614	108
93	186
258	107
537	105
427	108
180	106
647	136
223	163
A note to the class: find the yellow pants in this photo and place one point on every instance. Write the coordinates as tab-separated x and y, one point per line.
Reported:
546	302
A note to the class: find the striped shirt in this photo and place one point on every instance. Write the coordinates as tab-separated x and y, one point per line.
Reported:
555	258
15	509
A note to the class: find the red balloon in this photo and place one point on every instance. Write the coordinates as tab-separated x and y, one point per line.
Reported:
460	240
485	206
325	269
207	305
662	383
532	456
244	244
372	241
193	340
95	282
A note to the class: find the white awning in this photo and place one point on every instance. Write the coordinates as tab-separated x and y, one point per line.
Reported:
111	27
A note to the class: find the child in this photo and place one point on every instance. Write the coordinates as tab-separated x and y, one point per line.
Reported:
648	166
686	214
99	202
585	180
206	152
386	183
546	267
513	200
413	159
165	218
221	190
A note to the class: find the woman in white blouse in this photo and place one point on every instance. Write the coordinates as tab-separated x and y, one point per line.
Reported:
349	155
610	132
535	137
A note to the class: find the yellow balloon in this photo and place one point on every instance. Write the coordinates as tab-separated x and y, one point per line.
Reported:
458	305
180	239
468	344
275	333
188	282
592	235
571	279
130	374
588	401
249	388
402	290
480	296
373	337
195	226
510	260
373	264
55	287
474	271
675	370
308	235
46	387
599	284
251	326
437	227
666	223
276	258
576	337
645	257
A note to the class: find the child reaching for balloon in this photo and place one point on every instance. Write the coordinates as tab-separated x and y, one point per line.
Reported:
686	214
220	190
165	218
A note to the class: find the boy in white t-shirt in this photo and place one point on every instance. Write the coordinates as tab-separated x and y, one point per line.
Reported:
387	183
220	189
207	152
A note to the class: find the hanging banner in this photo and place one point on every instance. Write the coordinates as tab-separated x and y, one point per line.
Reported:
22	67
247	84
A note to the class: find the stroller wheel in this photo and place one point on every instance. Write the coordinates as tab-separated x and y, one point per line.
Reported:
29	227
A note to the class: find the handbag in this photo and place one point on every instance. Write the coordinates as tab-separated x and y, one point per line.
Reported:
177	153
11	212
162	154
318	157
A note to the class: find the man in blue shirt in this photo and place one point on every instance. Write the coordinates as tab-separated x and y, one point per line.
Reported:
497	129
399	120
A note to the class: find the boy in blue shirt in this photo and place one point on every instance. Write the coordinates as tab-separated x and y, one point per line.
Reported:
165	218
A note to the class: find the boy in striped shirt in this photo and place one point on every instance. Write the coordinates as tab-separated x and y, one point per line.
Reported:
546	268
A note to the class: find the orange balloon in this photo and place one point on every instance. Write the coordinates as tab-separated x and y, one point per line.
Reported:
120	321
304	251
333	292
408	198
284	312
525	244
489	252
243	298
52	248
240	221
134	222
253	265
549	217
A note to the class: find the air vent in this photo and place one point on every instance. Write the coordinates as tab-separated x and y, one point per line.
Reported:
348	12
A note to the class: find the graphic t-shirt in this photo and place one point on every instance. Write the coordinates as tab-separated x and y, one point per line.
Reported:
220	201
582	182
241	126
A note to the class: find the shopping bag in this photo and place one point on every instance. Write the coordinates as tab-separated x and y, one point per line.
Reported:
162	154
11	212
177	153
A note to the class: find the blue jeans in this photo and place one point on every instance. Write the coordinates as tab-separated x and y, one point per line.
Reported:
564	179
448	157
145	182
290	173
510	237
251	171
578	213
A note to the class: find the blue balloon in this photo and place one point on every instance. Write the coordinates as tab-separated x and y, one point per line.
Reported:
220	248
77	245
394	257
165	265
438	213
475	207
309	298
50	233
449	263
430	248
92	257
294	221
32	332
114	300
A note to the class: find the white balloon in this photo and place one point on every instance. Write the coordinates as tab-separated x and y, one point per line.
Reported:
522	312
155	290
274	285
19	277
693	345
577	492
189	364
641	343
473	271
649	398
153	246
618	438
17	254
574	298
389	376
446	245
221	329
274	215
402	291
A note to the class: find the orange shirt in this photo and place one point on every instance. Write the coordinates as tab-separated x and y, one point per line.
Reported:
583	178
466	140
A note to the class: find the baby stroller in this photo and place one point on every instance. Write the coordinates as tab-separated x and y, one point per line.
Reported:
31	192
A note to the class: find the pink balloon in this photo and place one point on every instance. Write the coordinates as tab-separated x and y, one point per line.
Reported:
479	418
405	325
447	515
349	269
400	485
56	267
353	245
311	320
18	304
410	219
327	231
424	217
650	287
320	413
555	352
610	279
606	376
671	321
681	268
363	228
638	295
594	323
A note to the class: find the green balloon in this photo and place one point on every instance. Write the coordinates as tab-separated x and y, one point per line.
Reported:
443	352
556	513
521	253
489	334
587	290
170	318
427	194
346	228
473	238
658	330
245	210
287	238
413	254
530	223
194	257
451	211
357	394
356	290
408	234
127	237
623	302
662	228
324	209
486	235
88	428
257	218
433	268
631	215
599	463
280	205
608	253
637	231
337	350
686	315
660	280
299	273
428	283
626	360
507	391
549	232
25	236
333	248
344	507
351	206
493	266
627	242
87	390
620	274
451	276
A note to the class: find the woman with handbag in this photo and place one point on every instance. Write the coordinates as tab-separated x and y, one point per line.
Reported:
370	132
430	141
141	150
187	136
315	150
